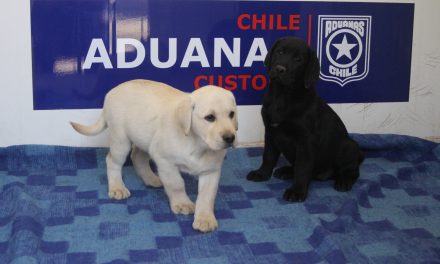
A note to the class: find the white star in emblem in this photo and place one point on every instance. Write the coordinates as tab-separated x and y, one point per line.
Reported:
344	48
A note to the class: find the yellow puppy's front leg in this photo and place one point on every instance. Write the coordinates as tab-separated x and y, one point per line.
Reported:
204	218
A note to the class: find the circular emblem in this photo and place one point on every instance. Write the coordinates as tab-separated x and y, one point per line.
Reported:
340	46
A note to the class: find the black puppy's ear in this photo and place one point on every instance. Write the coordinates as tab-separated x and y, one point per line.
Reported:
312	70
268	58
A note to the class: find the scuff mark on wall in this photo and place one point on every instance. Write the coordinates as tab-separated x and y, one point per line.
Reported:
432	60
421	91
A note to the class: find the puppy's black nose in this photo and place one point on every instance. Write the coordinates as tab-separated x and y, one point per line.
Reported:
280	69
229	138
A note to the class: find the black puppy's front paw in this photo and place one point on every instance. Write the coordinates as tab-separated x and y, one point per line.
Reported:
257	176
284	173
344	185
295	195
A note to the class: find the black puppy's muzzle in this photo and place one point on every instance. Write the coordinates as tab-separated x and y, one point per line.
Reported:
280	69
277	71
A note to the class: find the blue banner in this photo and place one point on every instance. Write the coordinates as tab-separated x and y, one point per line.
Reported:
81	49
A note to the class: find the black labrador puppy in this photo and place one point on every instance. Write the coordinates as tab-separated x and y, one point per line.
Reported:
301	126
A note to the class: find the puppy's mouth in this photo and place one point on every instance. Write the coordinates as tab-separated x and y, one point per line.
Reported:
220	144
226	142
228	145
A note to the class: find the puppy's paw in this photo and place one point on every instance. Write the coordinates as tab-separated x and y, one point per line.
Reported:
205	223
344	185
185	208
257	176
120	192
284	173
295	195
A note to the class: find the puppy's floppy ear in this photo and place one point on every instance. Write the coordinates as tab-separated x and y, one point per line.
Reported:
234	103
236	120
268	58
311	75
184	114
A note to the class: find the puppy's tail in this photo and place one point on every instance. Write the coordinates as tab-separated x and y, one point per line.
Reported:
92	130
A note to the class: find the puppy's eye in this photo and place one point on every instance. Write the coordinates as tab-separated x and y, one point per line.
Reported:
297	59
281	52
231	115
210	118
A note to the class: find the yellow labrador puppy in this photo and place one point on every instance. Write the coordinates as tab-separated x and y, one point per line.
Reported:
180	131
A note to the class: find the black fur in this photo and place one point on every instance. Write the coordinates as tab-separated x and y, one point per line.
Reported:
301	126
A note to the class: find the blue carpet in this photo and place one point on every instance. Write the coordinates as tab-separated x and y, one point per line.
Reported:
54	209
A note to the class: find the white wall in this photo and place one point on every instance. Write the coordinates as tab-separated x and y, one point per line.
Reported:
19	124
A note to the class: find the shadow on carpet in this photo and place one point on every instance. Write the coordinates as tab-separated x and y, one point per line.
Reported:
54	209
